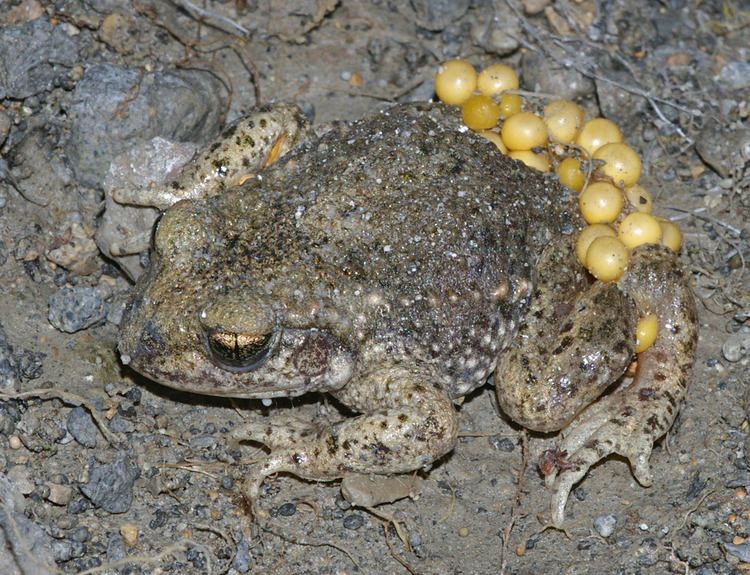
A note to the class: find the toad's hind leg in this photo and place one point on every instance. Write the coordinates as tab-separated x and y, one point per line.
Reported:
632	418
407	422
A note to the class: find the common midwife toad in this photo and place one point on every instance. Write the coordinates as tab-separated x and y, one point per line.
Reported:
396	263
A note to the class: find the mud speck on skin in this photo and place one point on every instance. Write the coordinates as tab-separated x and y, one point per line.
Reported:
178	477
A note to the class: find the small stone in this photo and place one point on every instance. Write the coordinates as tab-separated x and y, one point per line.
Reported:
14	442
742	551
533	7
287	509
605	525
72	309
59	494
20	475
353	521
65	549
119	32
502	443
129	534
81	426
242	558
463	531
111	486
735	75
736	346
435	15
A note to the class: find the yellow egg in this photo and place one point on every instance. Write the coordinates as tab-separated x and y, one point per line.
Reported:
480	112
588	235
510	104
638	228
640	198
455	81
495	138
607	258
600	203
539	162
622	163
597	132
496	79
524	131
569	173
646	332
671	236
564	119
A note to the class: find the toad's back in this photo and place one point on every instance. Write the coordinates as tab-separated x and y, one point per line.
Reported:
413	235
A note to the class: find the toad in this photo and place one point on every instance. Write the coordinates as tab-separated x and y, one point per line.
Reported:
397	263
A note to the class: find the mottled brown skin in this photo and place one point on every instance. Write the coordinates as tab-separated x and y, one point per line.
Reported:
390	262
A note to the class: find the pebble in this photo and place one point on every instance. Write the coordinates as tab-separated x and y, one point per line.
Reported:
533	7
287	509
20	475
82	427
72	309
502	443
736	346
35	56
9	375
543	75
111	486
14	442
735	75
605	525
65	549
353	521
242	559
59	494
129	534
741	551
80	534
435	15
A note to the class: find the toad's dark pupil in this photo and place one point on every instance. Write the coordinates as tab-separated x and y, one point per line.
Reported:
238	349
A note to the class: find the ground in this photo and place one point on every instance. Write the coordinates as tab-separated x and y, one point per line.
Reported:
82	81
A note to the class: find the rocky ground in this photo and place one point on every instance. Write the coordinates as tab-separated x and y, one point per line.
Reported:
104	472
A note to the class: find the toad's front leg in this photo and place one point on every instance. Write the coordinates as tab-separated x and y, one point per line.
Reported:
408	422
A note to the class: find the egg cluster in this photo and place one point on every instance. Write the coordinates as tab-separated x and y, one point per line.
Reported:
590	157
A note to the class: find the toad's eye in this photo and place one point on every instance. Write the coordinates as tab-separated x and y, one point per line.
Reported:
240	352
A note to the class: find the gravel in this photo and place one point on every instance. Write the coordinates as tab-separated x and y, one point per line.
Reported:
111	485
72	309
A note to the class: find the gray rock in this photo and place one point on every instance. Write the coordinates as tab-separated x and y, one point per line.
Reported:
736	346
179	105
33	57
605	525
437	14
498	35
82	427
9	373
542	74
24	546
111	486
242	559
153	162
72	309
723	147
735	75
65	549
741	551
615	103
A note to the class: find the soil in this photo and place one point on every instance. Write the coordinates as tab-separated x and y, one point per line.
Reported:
161	492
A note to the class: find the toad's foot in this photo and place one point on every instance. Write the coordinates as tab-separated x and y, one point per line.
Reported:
408	423
632	418
242	150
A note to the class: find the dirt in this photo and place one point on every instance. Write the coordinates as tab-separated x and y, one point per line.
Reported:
161	493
